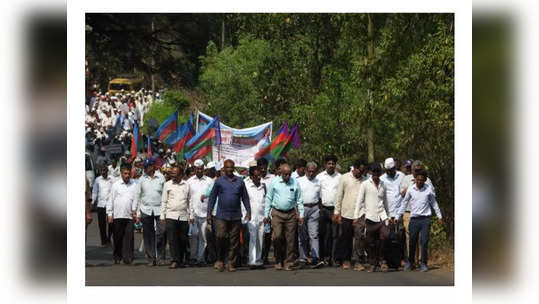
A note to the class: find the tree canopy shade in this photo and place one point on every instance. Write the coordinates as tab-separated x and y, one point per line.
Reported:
335	75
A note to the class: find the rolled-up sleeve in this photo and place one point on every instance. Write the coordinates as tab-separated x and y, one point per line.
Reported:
269	199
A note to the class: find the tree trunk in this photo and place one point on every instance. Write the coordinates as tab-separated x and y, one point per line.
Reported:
223	33
370	58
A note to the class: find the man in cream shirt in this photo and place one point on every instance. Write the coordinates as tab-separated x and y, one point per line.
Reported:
350	240
175	213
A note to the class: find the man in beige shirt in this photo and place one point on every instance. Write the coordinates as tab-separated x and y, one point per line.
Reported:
345	205
175	214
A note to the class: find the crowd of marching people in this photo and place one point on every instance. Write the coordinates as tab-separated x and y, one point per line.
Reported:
372	217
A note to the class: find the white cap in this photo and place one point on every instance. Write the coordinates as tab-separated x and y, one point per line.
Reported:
210	165
389	163
172	162
252	163
198	163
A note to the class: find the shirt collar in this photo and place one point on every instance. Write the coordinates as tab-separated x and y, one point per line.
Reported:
423	188
129	182
290	180
180	183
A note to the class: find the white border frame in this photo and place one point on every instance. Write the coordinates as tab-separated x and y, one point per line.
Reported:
77	291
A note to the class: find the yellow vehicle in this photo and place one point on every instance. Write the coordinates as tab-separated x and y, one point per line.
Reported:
116	85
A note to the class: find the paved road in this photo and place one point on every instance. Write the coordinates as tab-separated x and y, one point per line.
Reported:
102	272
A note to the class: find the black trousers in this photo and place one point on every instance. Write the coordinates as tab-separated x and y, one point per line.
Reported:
177	239
244	253
266	246
329	232
346	239
123	237
105	230
154	237
211	249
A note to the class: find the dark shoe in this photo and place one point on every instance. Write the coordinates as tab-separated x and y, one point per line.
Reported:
371	268
174	265
152	263
128	262
317	265
253	267
116	261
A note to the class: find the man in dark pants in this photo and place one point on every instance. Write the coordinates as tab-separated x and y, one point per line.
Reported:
421	198
175	215
329	182
371	202
100	195
231	192
151	189
350	240
121	210
285	202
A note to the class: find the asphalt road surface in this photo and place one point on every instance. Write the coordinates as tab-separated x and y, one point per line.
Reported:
100	271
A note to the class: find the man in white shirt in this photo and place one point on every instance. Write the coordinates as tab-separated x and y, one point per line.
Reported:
406	182
175	213
198	184
257	193
370	202
100	197
300	169
309	246
420	197
114	170
265	178
121	210
392	180
149	208
329	182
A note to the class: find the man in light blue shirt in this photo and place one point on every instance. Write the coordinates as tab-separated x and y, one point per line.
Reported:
285	202
149	210
421	198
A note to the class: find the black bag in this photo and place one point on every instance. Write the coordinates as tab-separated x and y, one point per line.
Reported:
394	246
